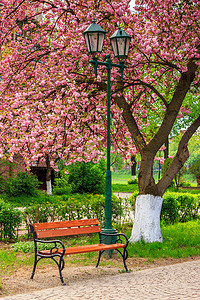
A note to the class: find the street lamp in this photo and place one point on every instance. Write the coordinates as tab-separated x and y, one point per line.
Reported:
94	37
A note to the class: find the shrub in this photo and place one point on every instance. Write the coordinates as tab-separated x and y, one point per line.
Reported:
87	177
2	184
176	182
39	213
77	206
28	246
195	170
10	219
61	184
176	207
132	181
169	212
23	183
132	199
180	207
184	183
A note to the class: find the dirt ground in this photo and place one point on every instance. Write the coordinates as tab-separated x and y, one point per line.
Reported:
47	276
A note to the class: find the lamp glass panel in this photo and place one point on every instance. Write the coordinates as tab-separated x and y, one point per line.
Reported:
127	45
87	43
114	46
93	40
121	42
101	40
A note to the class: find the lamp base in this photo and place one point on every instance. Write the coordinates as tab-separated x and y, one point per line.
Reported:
109	239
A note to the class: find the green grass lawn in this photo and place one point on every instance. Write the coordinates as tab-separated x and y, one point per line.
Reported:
120	183
179	241
124	188
120	178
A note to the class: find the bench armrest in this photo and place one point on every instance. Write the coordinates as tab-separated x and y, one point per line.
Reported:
120	237
55	248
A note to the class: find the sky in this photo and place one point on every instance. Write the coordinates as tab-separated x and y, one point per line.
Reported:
132	3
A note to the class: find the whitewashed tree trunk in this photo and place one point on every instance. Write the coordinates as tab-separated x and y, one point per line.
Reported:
198	181
49	187
147	219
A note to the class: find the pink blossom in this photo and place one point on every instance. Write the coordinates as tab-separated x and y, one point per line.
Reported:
52	104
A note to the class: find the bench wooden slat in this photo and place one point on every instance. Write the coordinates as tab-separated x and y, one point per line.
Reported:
67	231
64	224
85	248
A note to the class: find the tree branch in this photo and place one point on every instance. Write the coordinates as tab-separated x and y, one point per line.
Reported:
130	122
151	87
173	108
180	158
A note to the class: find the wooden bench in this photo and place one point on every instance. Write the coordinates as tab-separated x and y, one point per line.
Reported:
57	249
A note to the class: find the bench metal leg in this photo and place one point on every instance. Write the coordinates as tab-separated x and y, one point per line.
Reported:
61	267
35	264
100	252
61	278
125	256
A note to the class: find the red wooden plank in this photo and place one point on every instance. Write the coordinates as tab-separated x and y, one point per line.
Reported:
64	224
86	248
67	231
92	248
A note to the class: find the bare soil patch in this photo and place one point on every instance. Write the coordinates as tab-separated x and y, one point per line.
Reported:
47	275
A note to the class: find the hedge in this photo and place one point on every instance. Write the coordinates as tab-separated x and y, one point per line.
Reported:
177	207
180	207
10	220
77	206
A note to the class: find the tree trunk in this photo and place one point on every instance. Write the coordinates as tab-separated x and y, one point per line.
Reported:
166	151
198	181
147	219
133	167
49	187
48	176
146	182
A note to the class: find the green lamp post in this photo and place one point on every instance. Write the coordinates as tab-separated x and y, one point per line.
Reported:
94	37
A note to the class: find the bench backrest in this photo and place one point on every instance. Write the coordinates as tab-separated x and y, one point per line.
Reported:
65	228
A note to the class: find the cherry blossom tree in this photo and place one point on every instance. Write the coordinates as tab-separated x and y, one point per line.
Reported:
53	108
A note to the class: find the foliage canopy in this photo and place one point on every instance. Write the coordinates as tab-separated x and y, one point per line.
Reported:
51	104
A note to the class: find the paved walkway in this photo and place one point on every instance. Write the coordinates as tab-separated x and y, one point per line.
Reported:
179	281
